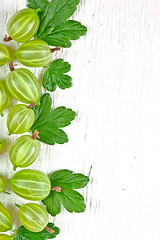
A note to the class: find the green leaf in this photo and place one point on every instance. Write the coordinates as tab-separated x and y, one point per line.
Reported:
52	203
48	122
62	34
54	27
41	4
58	11
71	200
76	181
37	4
44	108
68	197
55	76
51	135
24	234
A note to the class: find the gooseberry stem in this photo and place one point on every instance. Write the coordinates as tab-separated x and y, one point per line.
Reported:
57	189
35	135
17	205
6	192
14	168
11	67
7	39
55	49
1	113
13	237
49	230
37	10
32	105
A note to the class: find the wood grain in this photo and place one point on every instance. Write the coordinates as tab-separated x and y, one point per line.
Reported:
116	94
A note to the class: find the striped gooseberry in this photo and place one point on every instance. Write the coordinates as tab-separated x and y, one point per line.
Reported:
6	237
23	85
2	143
33	217
20	119
4	97
1	185
35	53
24	151
5	219
4	55
30	184
23	25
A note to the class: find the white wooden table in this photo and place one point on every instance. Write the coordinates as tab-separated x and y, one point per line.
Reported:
116	94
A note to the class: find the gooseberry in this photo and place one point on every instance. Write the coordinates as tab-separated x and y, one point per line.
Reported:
20	119
35	53
23	85
30	184
2	186
5	237
2	143
24	151
5	219
33	217
4	97
23	25
4	55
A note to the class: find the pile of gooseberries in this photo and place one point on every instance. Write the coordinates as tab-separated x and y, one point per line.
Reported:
22	85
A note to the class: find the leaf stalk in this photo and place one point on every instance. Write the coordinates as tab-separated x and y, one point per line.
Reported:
57	189
35	134
49	230
55	49
32	105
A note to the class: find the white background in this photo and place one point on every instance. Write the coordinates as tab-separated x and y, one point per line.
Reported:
116	94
